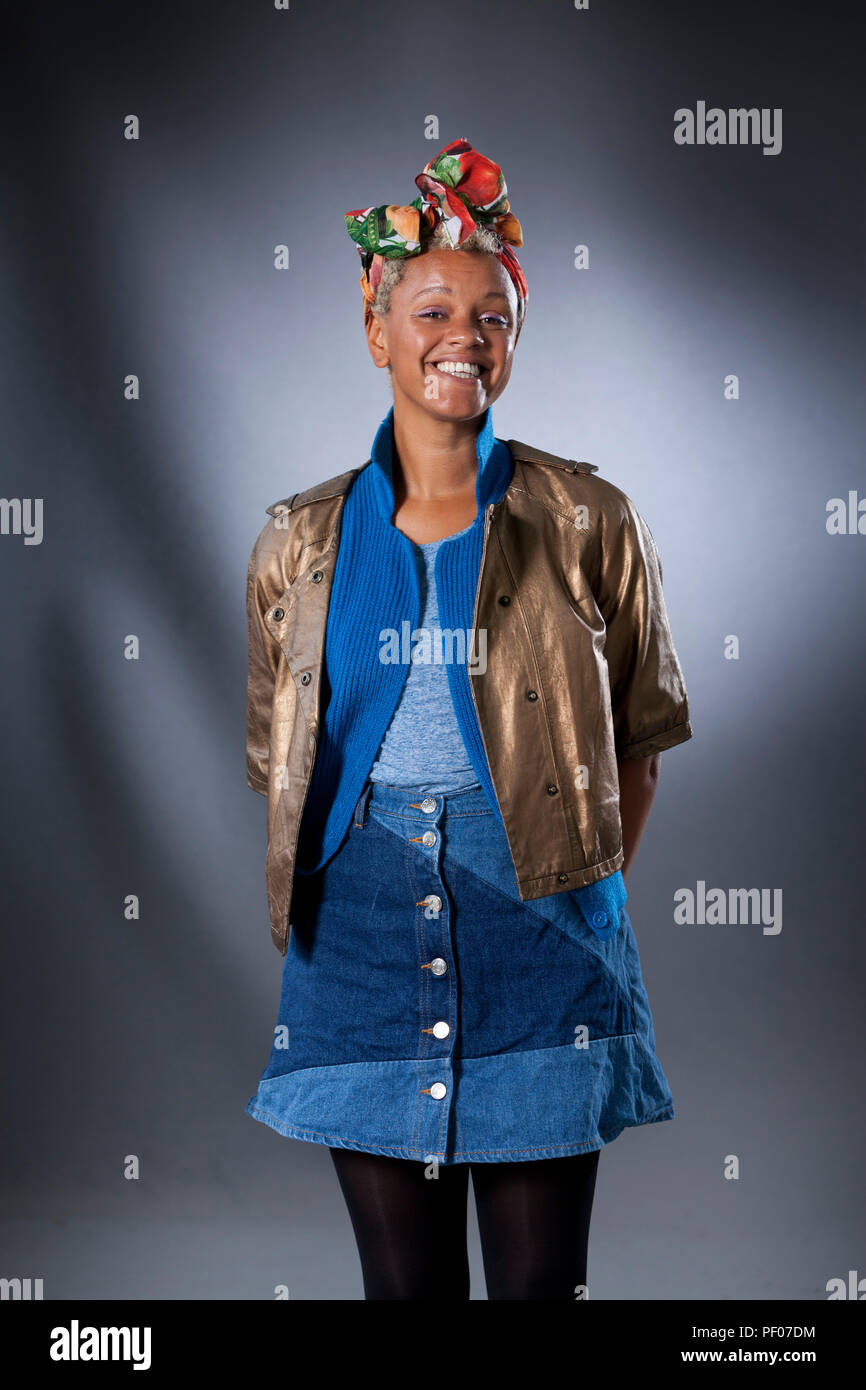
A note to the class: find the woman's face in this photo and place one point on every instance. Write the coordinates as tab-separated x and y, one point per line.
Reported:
449	307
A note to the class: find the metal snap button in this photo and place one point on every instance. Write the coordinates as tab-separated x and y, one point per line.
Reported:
504	600
441	1029
434	905
437	1090
551	789
562	878
279	614
438	966
428	838
306	678
532	694
428	804
316	576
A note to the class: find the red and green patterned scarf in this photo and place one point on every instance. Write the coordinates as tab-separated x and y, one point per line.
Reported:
462	190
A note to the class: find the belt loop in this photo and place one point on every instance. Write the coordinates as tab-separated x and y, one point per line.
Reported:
360	816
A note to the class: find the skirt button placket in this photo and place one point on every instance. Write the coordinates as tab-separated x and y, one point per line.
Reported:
437	1024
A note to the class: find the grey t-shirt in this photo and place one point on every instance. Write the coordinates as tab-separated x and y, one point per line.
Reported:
423	742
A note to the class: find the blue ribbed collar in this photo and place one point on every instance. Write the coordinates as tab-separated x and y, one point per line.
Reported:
495	466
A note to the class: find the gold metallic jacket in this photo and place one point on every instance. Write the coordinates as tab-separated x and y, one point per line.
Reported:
580	669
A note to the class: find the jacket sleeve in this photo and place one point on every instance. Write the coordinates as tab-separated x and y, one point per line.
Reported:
649	703
261	677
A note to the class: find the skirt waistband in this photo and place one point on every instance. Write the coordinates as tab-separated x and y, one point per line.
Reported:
416	802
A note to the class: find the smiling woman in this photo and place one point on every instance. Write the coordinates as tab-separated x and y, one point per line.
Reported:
462	988
447	338
447	312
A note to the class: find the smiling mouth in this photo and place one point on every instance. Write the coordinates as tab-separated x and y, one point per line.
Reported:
459	371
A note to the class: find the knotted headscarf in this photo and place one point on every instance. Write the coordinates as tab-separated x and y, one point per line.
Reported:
461	190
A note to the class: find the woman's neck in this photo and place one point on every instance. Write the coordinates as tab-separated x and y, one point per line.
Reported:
434	459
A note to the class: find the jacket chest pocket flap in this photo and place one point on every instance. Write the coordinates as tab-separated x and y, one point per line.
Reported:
297	619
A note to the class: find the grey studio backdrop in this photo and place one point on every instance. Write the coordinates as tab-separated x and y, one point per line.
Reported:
155	257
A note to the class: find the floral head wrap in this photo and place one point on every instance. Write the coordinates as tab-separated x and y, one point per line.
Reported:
462	190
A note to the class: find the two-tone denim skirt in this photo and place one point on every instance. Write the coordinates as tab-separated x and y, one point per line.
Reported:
426	1012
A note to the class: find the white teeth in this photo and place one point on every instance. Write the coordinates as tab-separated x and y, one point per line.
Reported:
467	369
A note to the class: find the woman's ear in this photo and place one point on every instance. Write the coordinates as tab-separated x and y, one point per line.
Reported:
375	331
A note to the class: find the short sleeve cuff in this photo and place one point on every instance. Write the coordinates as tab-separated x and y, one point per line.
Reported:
656	743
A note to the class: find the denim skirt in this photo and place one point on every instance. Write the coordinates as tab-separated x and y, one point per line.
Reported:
426	1012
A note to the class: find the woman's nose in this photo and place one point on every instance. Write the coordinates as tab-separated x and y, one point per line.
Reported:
460	331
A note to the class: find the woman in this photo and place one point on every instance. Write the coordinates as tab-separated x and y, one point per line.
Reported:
461	679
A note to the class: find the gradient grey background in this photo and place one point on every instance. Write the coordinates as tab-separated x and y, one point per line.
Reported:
156	258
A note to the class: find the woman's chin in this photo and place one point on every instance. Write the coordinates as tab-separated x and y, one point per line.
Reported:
462	402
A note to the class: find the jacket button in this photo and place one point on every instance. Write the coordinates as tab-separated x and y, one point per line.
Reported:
316	576
279	614
437	1090
306	678
441	1029
562	878
504	600
599	918
532	694
438	965
551	789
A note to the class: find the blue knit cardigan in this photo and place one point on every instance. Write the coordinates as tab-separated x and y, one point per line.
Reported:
376	587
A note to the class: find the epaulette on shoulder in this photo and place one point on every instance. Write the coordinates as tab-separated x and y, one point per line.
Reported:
527	453
332	487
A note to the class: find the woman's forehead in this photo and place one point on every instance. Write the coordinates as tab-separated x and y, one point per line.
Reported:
455	272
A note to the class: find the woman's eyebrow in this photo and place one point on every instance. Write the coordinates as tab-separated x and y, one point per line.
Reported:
446	289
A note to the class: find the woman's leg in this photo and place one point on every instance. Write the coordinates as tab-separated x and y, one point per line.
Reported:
533	1218
410	1229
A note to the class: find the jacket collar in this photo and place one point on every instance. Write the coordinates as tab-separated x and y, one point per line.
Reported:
494	466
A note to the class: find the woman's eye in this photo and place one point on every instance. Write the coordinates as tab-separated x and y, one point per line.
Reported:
493	318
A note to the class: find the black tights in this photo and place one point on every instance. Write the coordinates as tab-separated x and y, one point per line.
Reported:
410	1228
